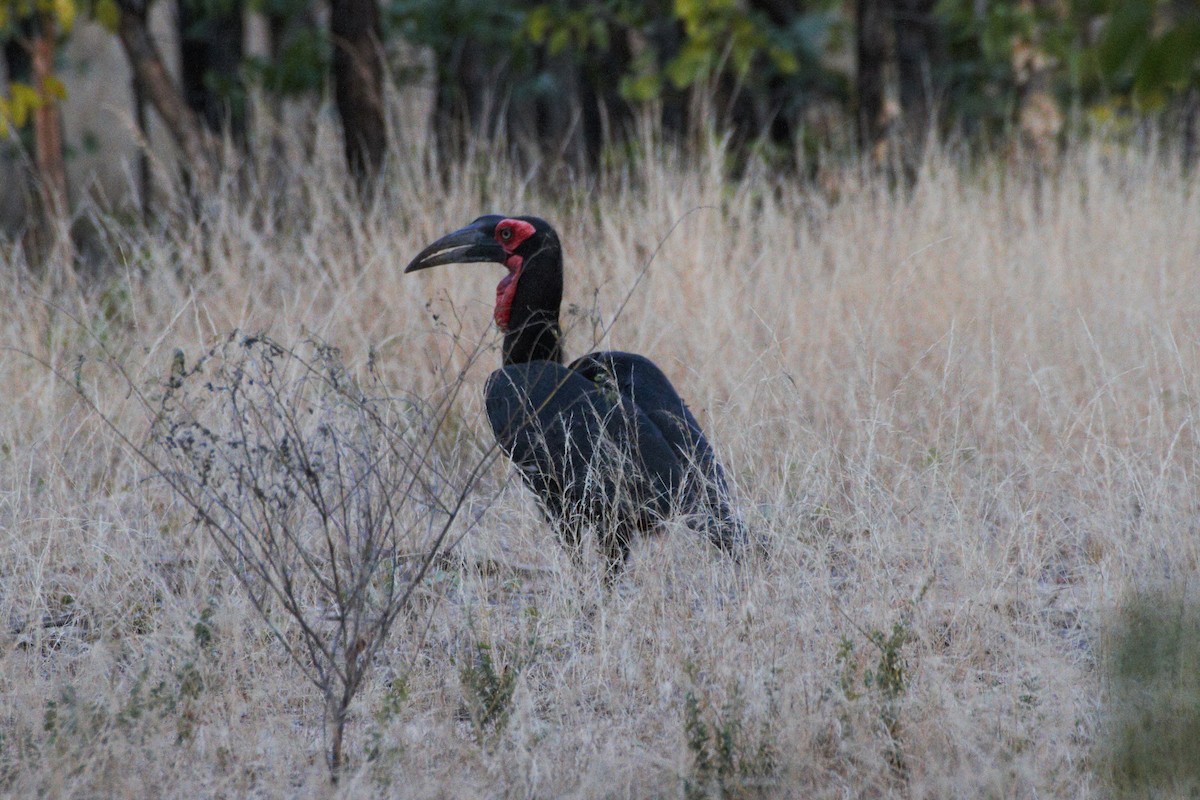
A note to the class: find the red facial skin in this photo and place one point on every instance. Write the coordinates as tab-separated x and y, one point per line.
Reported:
510	234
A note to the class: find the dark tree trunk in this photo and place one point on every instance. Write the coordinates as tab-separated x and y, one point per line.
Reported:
48	132
558	112
358	85
210	48
916	48
874	17
469	100
198	146
606	115
16	56
1191	129
666	36
139	117
781	105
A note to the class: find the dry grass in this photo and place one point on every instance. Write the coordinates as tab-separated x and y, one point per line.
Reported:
970	411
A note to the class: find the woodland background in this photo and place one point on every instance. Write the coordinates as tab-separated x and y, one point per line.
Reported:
799	83
925	271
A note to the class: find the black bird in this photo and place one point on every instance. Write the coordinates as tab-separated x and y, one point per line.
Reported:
605	441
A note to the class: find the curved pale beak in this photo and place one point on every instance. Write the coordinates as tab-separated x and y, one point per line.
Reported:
461	247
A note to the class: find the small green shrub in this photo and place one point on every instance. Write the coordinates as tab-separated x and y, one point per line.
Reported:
1151	737
730	755
489	679
885	685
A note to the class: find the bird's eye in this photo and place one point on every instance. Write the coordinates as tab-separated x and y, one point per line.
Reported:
506	233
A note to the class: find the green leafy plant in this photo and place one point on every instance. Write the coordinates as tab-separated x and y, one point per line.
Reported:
1151	738
885	684
489	678
730	755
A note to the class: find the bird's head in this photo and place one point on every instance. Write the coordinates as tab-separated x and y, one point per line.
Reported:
527	246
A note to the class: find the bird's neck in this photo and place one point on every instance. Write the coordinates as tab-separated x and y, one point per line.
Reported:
537	337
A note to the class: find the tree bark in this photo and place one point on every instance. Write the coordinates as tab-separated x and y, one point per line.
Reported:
51	237
48	126
872	55
210	49
916	46
781	103
358	85
606	116
198	145
139	118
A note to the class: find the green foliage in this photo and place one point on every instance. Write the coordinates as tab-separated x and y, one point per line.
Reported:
380	748
302	52
884	685
979	73
489	679
74	720
1152	733
1108	54
18	18
718	36
300	64
15	12
447	25
715	30
731	757
1147	53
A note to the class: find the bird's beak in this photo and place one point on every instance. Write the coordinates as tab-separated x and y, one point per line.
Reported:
464	245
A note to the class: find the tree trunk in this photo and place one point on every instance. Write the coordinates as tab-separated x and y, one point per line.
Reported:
606	115
469	75
210	49
48	156
916	44
47	126
139	118
358	85
1191	129
781	104
198	146
872	55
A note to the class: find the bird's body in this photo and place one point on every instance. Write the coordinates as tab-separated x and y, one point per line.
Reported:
605	441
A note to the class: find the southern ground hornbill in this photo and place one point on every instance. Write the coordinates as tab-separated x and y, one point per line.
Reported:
605	442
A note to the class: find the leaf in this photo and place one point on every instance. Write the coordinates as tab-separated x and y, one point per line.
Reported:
640	88
599	34
64	12
1169	61
559	41
25	100
53	88
785	60
1127	31
107	14
691	65
537	24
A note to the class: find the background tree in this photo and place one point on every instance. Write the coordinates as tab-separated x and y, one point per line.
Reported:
358	84
197	144
562	81
210	63
31	30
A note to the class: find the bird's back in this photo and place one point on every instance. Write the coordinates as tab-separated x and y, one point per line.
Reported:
608	437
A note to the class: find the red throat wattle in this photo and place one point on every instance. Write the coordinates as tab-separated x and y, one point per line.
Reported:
506	290
510	234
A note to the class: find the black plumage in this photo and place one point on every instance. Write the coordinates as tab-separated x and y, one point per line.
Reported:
605	442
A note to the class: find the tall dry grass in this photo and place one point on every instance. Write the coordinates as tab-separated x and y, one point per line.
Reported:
964	414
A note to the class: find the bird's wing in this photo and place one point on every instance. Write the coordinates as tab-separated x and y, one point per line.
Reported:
642	384
579	446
